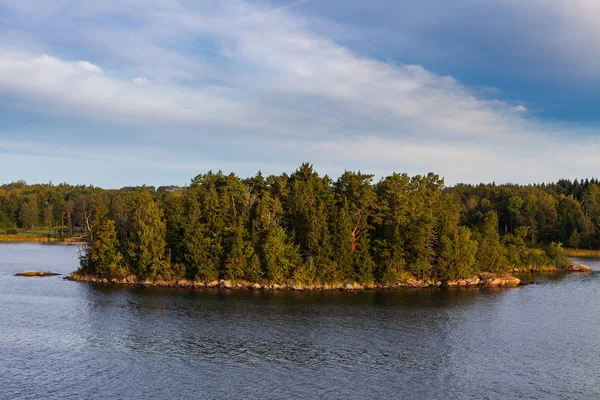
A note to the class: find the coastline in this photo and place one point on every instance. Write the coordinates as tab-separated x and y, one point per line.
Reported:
11	238
479	281
581	253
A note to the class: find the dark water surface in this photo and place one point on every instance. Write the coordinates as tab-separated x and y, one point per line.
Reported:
70	340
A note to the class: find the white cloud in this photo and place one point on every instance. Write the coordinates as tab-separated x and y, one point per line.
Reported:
140	81
89	67
294	94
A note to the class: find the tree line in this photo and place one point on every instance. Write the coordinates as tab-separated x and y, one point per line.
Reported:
312	229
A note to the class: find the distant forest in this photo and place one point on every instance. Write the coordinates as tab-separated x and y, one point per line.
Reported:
309	228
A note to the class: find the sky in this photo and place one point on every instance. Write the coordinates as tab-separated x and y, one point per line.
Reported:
128	92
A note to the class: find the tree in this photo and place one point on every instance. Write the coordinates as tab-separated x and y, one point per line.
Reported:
280	255
557	256
104	258
29	213
575	239
490	254
48	216
457	258
146	249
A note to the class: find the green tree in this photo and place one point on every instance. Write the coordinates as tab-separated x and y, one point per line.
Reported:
490	254
575	239
29	213
557	256
104	258
147	244
280	256
457	258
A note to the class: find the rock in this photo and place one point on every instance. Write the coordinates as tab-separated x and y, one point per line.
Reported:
507	281
226	284
461	282
213	283
256	286
438	284
114	280
349	286
418	283
579	268
451	284
474	281
36	273
357	287
276	287
486	276
104	280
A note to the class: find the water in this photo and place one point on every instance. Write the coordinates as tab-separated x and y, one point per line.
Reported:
70	340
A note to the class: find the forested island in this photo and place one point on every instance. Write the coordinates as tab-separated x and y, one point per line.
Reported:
310	231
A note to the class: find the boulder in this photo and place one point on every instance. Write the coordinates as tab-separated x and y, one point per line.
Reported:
276	286
349	286
357	287
451	284
507	281
226	284
579	268
213	283
461	282
474	281
256	286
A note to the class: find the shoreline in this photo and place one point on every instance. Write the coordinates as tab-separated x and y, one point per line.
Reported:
12	238
482	280
581	253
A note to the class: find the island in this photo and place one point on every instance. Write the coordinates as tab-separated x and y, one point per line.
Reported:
307	231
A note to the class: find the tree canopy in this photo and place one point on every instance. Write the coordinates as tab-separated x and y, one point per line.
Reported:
309	228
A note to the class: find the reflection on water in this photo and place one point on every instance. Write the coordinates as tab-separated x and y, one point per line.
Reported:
77	340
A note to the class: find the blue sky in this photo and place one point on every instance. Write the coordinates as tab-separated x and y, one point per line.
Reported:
154	92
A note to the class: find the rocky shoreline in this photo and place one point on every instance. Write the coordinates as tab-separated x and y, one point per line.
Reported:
478	281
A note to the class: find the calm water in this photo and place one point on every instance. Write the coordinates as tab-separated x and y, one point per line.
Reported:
69	340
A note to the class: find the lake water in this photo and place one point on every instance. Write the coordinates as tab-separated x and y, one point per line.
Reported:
71	340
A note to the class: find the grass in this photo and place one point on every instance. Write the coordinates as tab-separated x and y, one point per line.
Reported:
36	235
37	238
582	253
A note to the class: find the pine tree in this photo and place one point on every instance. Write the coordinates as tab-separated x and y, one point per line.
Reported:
490	254
457	258
104	258
146	248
